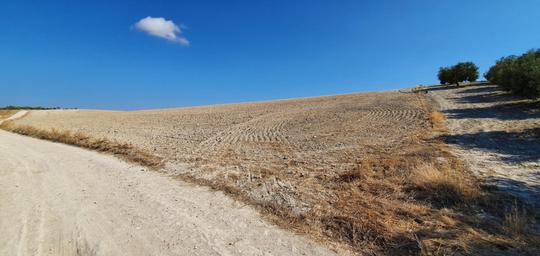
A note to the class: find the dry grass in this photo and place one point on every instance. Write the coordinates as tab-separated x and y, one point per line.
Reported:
407	204
419	88
437	120
516	220
123	150
5	113
443	185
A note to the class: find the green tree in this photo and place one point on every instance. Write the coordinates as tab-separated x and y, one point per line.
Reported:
518	74
463	71
466	71
445	75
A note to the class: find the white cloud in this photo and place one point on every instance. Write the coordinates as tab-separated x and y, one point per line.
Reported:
163	28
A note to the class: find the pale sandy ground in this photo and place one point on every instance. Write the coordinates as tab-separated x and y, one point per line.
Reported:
62	200
497	138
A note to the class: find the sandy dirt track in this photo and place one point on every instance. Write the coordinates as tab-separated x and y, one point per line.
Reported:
61	200
17	115
496	134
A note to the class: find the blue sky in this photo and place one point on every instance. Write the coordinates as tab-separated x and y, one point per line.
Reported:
92	54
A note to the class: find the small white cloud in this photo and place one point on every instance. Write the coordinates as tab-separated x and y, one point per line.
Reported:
163	28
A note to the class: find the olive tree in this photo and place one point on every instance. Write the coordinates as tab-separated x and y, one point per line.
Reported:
518	74
463	71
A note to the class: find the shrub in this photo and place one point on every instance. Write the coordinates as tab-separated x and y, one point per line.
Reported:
463	71
518	74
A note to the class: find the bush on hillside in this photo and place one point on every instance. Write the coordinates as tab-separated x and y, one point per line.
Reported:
518	74
445	75
463	71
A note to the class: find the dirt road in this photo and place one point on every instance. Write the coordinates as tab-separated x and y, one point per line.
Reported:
17	115
61	200
496	134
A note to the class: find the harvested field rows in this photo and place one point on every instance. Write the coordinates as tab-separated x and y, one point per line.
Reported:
337	124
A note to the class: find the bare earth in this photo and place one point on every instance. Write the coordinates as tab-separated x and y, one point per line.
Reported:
270	131
306	138
61	200
496	134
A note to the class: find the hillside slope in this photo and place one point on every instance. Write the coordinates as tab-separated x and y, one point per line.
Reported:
367	172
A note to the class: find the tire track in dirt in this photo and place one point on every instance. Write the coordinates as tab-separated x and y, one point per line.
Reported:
258	130
393	114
